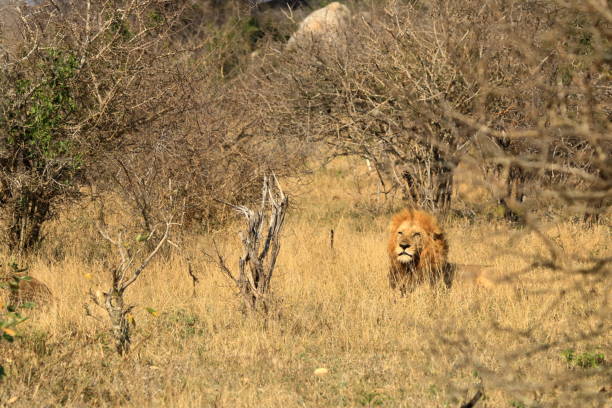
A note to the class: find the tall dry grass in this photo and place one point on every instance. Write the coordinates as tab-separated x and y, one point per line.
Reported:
334	309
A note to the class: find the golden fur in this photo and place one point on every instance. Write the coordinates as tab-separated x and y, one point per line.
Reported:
418	251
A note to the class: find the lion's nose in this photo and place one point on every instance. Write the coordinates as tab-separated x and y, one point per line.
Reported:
404	245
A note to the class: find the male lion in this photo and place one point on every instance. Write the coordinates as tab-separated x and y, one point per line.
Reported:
418	253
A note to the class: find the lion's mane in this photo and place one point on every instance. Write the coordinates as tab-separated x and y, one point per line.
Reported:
430	263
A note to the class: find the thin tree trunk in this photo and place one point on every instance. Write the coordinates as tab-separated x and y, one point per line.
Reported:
117	311
28	216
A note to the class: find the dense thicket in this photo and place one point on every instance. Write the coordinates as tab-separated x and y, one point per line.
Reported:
131	98
173	105
417	87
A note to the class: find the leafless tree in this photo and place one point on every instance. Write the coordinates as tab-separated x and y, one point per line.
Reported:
387	94
257	263
377	95
124	274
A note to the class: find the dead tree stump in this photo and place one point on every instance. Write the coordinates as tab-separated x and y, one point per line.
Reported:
261	245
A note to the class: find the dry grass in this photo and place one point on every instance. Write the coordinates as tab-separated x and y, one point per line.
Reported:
335	310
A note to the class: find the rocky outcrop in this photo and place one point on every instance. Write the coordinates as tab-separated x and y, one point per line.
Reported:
323	27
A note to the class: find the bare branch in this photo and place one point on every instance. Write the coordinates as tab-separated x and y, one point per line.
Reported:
144	264
255	267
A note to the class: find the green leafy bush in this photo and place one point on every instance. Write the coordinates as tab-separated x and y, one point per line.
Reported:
71	94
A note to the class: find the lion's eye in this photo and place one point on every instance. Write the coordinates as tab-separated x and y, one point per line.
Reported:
399	232
416	235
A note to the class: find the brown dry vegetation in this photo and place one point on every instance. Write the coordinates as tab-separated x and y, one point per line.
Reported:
335	310
125	116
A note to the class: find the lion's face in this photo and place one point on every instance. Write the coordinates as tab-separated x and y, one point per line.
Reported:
416	241
409	240
417	249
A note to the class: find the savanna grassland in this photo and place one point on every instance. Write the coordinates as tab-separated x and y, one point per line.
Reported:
332	309
130	131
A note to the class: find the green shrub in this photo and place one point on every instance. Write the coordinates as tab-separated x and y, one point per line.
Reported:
587	359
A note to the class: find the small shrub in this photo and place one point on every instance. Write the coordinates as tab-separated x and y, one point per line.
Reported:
187	324
371	399
587	359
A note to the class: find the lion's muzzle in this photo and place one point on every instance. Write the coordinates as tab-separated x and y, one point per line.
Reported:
405	252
